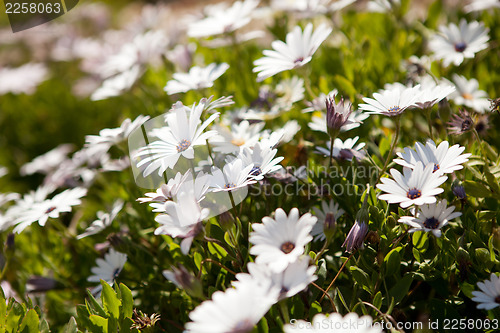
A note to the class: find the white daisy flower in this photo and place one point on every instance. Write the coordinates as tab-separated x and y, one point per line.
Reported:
103	221
489	296
415	186
318	103
343	149
334	322
295	278
455	43
116	85
318	121
3	171
239	136
469	95
282	240
22	80
382	6
182	219
234	175
443	158
283	135
183	132
296	52
262	158
47	162
310	8
432	93
107	269
223	20
391	102
234	310
431	218
478	5
326	208
41	211
197	78
112	136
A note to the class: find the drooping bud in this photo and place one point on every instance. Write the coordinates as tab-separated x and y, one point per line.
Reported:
356	236
337	115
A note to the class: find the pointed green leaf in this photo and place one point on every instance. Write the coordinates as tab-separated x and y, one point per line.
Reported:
101	324
94	306
71	327
110	301
30	322
127	301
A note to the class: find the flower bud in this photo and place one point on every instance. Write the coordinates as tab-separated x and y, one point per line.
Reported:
184	280
329	225
356	236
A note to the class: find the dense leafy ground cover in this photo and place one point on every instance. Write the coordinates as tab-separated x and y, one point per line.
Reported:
260	222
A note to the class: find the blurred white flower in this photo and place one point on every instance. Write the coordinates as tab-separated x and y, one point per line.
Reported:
183	132
343	150
391	102
318	121
282	135
111	136
489	296
432	93
22	80
296	52
235	310
415	186
469	95
310	8
295	278
103	221
326	208
41	211
223	20
281	241
334	322
382	6
197	78
443	158
3	171
455	43
478	5
116	85
107	269
47	162
430	218
239	136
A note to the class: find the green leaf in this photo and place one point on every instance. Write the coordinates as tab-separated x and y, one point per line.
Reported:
433	14
93	306
44	326
262	326
344	85
377	300
361	278
392	261
110	301
476	189
420	240
400	289
30	322
100	323
127	301
71	327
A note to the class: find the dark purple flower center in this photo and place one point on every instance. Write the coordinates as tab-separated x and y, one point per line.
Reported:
299	60
287	247
229	185
183	145
414	194
436	167
50	209
255	171
460	47
497	299
431	223
394	109
116	272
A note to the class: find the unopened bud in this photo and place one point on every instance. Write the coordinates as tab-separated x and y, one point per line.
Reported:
226	221
10	245
329	225
184	280
356	236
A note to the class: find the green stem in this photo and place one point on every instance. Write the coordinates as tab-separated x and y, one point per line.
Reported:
331	154
391	151
429	122
284	311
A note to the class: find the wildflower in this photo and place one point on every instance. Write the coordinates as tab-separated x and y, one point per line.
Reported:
183	132
432	93
295	278
459	192
309	8
431	218
116	85
197	78
47	162
337	115
350	323
489	296
327	217
234	310
456	43
233	176
356	236
415	186
382	6
263	160
22	80
460	124
42	210
343	150
239	136
184	280
445	159
103	220
318	121
296	52
224	20
391	102
469	95
107	269
280	241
